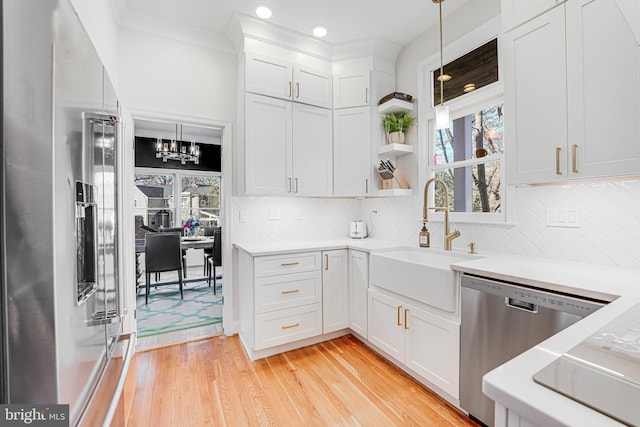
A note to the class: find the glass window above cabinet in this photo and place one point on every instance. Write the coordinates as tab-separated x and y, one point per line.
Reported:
469	72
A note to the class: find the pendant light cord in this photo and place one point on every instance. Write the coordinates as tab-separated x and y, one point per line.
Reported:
441	59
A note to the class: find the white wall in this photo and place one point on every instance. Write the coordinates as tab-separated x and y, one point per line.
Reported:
163	75
99	21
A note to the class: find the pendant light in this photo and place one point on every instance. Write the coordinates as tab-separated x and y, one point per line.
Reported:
442	111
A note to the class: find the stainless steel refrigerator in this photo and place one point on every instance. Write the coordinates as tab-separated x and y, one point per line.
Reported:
60	298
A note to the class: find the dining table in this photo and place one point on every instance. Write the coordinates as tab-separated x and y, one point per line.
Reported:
186	242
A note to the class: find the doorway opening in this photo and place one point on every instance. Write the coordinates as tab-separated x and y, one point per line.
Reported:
181	196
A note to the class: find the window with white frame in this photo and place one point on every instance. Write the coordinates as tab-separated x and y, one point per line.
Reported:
468	155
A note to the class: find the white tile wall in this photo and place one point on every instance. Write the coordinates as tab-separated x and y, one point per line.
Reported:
318	218
609	231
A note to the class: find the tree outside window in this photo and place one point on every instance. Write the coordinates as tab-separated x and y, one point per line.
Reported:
468	157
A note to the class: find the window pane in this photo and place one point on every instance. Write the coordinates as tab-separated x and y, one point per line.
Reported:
153	201
473	136
201	201
471	189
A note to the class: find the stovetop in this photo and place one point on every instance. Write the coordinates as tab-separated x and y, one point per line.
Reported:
603	371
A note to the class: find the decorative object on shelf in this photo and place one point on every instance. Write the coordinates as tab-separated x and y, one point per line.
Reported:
191	227
178	150
396	95
442	111
395	125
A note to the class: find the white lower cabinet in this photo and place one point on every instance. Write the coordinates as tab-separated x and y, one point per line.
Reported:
335	290
358	287
426	343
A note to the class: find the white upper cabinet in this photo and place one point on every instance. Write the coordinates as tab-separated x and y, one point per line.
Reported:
517	12
603	69
352	152
312	151
312	87
285	80
572	94
269	142
352	89
535	97
268	76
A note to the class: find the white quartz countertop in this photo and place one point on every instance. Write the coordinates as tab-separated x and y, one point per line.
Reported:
279	247
511	384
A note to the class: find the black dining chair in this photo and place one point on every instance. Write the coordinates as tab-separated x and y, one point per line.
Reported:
162	253
215	260
184	251
208	252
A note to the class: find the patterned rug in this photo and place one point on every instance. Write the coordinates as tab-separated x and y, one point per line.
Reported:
166	312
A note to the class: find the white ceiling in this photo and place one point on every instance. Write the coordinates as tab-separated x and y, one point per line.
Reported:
398	21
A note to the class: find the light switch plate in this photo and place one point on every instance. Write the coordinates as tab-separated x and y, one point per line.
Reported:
563	217
297	213
243	216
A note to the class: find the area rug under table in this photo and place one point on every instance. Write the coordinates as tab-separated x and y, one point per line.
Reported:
166	312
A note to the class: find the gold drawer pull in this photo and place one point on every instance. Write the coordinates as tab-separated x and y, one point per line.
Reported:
574	158
558	149
292	291
399	309
406	325
288	264
295	325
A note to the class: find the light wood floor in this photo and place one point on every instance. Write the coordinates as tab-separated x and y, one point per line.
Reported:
336	383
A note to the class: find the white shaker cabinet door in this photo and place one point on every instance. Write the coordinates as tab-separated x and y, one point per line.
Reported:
536	99
335	291
386	324
352	89
312	87
268	141
603	69
312	151
352	151
269	76
358	286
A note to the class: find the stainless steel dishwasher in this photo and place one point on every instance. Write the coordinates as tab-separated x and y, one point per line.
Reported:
501	320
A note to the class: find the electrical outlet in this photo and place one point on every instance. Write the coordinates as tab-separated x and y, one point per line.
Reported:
563	217
297	213
243	216
274	214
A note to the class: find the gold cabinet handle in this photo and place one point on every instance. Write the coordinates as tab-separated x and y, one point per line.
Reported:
366	95
399	309
406	312
366	186
295	325
290	187
558	149
288	264
292	291
290	89
574	158
297	89
326	262
296	185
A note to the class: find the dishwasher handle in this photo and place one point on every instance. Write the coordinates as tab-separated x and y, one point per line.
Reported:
521	305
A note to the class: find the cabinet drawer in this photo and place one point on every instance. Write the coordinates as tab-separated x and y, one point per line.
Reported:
285	326
287	291
287	263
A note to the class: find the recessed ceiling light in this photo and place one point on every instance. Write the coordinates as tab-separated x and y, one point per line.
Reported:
319	31
263	12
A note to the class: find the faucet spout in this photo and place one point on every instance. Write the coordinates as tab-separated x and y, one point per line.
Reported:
448	235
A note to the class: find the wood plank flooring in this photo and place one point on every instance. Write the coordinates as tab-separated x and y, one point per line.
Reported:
335	383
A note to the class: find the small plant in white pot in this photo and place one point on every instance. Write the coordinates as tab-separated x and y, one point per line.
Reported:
395	125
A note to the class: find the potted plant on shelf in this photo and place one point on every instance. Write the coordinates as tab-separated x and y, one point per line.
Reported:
395	125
